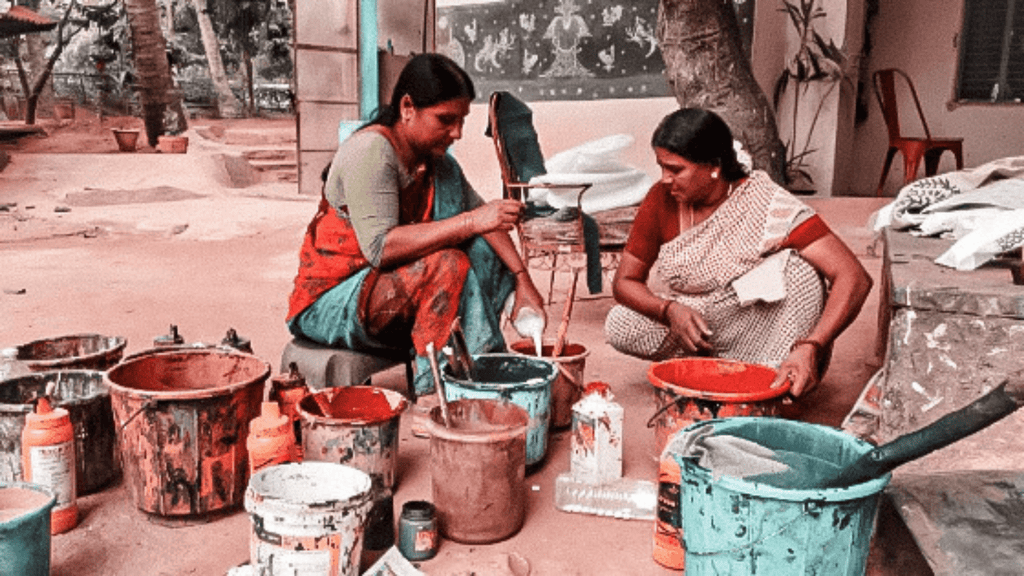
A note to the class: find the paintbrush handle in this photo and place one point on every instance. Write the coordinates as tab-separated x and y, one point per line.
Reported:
980	414
563	326
462	349
438	385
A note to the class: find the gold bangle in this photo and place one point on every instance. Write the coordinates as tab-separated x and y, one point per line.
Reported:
664	311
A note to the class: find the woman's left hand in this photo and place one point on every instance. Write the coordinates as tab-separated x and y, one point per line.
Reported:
800	368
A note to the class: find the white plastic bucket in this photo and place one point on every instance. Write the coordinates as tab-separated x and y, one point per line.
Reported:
307	518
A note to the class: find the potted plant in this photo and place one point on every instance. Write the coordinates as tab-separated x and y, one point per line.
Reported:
816	60
126	138
171	141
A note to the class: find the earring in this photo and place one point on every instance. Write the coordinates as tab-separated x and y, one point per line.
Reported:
714	174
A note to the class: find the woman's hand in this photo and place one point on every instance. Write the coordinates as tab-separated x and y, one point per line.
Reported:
688	327
800	368
496	215
528	295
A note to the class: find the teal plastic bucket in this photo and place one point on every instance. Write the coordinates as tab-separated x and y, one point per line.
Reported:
25	529
522	380
739	527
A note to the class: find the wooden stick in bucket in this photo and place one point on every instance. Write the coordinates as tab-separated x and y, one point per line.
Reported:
563	327
438	385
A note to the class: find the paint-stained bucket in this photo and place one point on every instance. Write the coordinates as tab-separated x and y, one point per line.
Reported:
523	380
689	390
478	469
307	518
740	527
84	394
567	388
356	426
182	418
25	529
75	352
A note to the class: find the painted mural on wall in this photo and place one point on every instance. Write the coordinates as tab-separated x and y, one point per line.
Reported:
558	49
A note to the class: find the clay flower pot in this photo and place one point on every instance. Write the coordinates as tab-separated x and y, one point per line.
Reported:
126	139
172	144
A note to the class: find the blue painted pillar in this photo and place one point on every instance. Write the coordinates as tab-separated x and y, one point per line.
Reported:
369	75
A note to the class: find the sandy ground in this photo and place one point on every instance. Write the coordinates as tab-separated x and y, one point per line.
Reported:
129	243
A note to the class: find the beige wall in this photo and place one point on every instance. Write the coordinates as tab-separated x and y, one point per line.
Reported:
920	38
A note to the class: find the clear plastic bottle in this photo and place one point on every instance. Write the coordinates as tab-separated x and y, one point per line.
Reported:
10	366
625	498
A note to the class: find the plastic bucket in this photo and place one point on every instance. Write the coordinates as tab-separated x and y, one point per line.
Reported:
25	529
478	469
688	390
739	527
307	518
84	394
182	420
78	351
525	381
567	388
356	426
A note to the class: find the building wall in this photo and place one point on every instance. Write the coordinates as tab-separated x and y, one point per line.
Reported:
922	40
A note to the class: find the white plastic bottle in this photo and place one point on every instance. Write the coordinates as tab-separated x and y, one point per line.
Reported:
625	498
596	455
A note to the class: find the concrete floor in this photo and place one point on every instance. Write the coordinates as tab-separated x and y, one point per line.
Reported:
132	270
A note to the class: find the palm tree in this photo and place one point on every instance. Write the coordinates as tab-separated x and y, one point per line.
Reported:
707	68
227	105
153	71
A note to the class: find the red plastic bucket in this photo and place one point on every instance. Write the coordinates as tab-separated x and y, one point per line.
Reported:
689	390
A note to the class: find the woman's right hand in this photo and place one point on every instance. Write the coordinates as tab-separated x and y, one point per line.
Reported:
496	215
688	327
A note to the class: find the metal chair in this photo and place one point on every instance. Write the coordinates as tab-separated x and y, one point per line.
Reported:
913	148
510	125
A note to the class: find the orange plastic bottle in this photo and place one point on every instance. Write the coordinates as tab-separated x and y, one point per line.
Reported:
48	459
271	439
668	524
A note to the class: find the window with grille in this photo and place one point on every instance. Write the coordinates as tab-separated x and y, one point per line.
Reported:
992	51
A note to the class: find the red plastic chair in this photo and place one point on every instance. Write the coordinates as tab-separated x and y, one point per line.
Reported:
913	149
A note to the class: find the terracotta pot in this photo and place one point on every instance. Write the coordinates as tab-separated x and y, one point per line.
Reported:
172	144
126	139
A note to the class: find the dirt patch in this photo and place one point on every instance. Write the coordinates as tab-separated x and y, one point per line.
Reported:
102	197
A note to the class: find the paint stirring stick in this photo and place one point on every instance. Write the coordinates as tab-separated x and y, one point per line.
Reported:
462	349
438	385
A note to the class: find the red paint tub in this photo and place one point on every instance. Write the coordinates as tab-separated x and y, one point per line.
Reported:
182	418
356	426
689	390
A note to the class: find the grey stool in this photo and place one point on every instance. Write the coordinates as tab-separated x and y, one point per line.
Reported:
323	366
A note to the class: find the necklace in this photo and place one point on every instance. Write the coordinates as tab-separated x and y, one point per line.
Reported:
693	218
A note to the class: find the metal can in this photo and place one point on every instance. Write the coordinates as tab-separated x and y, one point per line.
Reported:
417	531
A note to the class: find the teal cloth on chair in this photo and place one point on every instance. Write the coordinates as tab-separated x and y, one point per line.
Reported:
524	156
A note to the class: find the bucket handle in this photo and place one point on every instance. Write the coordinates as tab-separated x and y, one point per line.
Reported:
810	507
147	405
676	399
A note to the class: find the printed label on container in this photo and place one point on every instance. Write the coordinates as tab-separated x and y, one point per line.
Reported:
54	467
282	562
425	540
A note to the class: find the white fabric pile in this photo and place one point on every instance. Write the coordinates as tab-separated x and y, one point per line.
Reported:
614	183
981	208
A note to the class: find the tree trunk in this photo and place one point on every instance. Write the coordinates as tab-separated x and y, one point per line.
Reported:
706	68
151	66
227	104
